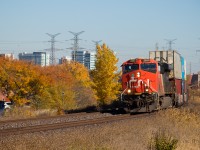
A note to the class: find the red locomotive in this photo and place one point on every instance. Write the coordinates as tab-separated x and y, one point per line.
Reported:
154	83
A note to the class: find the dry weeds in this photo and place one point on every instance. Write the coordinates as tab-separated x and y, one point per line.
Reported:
182	124
26	112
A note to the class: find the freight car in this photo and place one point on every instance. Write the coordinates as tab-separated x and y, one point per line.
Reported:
154	83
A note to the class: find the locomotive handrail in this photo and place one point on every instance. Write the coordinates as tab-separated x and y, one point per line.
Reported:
123	93
132	80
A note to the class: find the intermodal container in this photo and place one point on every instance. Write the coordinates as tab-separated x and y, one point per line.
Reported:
179	90
183	68
173	58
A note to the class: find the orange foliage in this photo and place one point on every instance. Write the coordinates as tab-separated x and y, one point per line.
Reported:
50	87
79	72
21	79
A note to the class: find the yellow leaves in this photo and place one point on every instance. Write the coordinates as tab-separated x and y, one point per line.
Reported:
105	75
43	86
16	77
20	101
80	73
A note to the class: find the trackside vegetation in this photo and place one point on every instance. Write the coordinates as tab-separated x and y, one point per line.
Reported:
161	140
105	75
61	87
65	86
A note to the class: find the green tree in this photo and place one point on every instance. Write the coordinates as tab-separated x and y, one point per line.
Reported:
105	75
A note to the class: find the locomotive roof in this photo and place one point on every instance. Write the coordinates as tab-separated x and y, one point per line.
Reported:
137	60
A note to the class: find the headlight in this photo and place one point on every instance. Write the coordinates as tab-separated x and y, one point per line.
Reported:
138	74
129	91
146	90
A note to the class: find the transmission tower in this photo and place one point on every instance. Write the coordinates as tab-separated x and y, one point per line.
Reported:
76	43
96	43
156	46
170	42
52	49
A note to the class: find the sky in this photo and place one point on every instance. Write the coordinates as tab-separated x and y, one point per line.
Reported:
131	28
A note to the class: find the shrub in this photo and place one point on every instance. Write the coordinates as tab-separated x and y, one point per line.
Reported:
163	141
18	113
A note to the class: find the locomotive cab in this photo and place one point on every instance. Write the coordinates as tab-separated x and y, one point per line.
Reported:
140	84
155	83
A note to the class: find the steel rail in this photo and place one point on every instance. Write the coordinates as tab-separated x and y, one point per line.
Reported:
62	125
44	118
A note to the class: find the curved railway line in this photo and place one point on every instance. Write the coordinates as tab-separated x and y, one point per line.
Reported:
66	124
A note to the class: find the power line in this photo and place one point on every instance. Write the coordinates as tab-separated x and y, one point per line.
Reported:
156	46
96	43
52	49
76	43
20	42
170	42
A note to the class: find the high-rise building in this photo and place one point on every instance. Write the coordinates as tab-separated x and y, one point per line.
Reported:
38	58
90	60
78	56
84	57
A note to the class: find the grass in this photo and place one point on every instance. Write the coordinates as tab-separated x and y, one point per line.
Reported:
178	128
161	140
26	112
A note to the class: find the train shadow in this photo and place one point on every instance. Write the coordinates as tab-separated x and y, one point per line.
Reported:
114	108
102	109
88	109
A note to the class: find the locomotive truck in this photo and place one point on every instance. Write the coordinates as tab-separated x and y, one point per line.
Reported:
154	83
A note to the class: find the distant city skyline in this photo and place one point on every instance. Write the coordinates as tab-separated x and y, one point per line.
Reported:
131	28
37	58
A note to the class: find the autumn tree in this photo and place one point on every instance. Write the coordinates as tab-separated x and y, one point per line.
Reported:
105	76
59	90
69	86
60	87
80	73
19	80
84	93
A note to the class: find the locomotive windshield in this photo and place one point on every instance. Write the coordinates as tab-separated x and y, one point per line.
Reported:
150	67
130	67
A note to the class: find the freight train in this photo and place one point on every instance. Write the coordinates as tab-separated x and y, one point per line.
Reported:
154	83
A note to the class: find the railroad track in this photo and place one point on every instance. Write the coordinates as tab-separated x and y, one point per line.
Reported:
45	120
70	124
42	118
